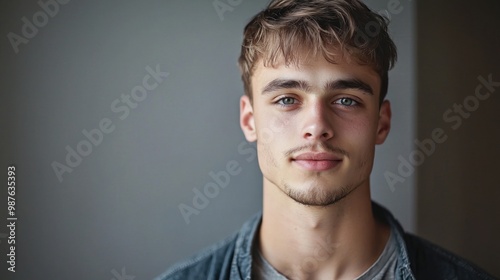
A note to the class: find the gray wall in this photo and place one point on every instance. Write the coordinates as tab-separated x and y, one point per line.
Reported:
117	211
458	192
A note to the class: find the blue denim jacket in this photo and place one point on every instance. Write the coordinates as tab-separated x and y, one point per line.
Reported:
232	259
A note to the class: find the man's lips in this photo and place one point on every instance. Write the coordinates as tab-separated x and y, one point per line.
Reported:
317	161
317	156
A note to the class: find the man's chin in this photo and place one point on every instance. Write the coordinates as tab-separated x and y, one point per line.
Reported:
316	196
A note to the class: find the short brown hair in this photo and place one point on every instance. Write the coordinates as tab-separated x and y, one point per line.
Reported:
329	27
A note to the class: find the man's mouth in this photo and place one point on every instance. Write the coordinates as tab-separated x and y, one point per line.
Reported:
317	161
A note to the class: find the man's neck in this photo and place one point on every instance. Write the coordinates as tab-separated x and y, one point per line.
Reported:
339	241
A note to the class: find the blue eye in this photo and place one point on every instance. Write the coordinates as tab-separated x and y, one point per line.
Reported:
286	101
347	102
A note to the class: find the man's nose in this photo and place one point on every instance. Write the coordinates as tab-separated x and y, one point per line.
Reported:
317	122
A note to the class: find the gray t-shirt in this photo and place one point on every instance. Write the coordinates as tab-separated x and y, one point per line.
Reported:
383	269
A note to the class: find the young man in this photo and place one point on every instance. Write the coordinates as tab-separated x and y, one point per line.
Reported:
315	104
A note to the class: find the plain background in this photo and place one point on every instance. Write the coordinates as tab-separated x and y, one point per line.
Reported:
118	210
458	194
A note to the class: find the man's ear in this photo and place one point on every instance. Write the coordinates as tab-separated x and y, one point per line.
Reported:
247	122
384	122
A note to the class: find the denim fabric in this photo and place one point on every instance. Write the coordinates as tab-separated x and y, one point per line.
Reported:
417	258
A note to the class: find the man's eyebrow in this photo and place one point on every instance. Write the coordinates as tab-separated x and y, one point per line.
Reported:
278	84
349	84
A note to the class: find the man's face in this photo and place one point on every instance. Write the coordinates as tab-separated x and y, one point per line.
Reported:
316	127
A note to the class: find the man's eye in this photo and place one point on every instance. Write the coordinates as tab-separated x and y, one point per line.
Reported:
285	101
346	102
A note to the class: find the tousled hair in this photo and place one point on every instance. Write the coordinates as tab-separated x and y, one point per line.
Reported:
291	30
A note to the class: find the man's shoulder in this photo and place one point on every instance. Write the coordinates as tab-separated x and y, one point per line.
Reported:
213	260
216	261
430	261
425	259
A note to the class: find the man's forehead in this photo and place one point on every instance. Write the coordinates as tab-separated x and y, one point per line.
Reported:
315	69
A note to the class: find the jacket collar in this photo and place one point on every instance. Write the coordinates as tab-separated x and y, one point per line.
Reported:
241	267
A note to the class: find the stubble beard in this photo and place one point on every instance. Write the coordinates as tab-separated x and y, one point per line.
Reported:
317	196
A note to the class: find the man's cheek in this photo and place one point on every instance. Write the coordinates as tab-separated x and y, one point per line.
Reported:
270	134
278	124
266	158
358	134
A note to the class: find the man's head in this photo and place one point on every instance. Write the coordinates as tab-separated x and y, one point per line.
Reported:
314	95
293	29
